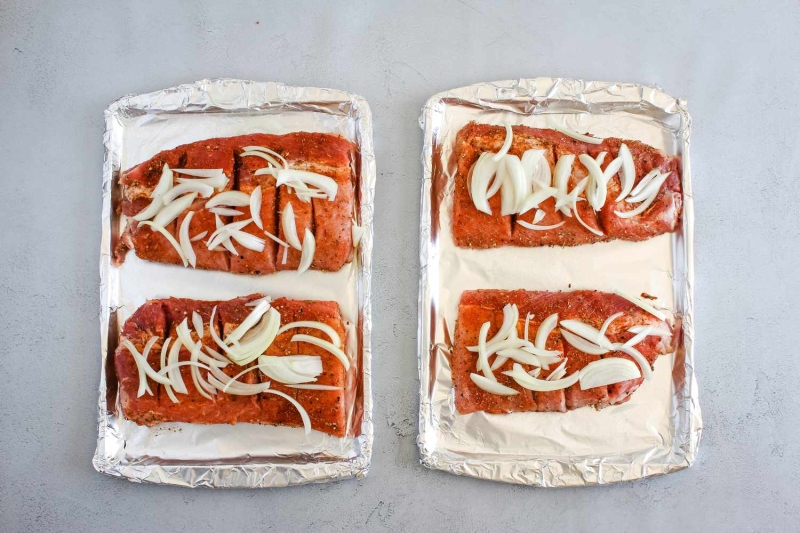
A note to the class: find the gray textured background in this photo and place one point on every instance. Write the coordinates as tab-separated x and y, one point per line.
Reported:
61	65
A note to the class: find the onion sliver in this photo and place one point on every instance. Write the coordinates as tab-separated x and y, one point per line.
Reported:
529	382
607	322
574	134
644	181
483	355
163	362
282	370
255	207
499	361
185	241
250	320
559	371
482	171
506	143
256	341
521	344
173	210
492	386
225	211
197	322
168	236
237	388
651	189
510	319
545	328
587	332
537	168
647	372
290	227
539	228
324	183
200	384
639	337
276	239
584	224
303	413
164	183
582	344
653	330
230	199
562	172
151	210
607	372
639	210
201	188
641	303
249	241
520	356
267	150
312	324
307	255
527	325
143	385
600	158
218	181
262	155
533	200
325	345
517	182
199	236
628	175
597	191
142	364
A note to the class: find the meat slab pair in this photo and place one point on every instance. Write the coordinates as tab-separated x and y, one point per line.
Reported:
590	307
475	229
329	221
160	319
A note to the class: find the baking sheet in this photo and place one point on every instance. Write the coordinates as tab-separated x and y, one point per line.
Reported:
659	429
241	455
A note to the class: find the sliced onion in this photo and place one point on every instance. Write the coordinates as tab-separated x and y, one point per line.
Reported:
639	337
516	185
173	210
513	343
574	134
534	373
492	386
639	210
237	388
197	322
300	409
628	175
324	183
537	168
520	356
163	362
223	233
655	331
226	212
562	172
143	365
215	354
510	319
325	345
482	171
587	332
314	386
307	255
529	382
150	211
597	196
600	158
253	303
533	200
201	386
612	169
644	181
506	143
201	188
559	371
607	372
256	341
164	183
582	344
168	236
284	163
499	361
545	328
641	303
185	242
608	322
290	227
285	255
224	347
255	207
143	385
483	356
281	368
248	323
650	190
199	236
582	223
539	228
218	181
262	155
230	199
538	216
248	240
527	325
358	233
276	239
312	324
647	372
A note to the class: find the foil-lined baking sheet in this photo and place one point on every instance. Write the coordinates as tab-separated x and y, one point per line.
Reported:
241	455
658	430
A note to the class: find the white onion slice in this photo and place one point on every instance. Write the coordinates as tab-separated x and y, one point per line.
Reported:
640	209
587	332
314	386
655	331
312	324
650	190
597	190
248	323
215	354
185	242
506	143
175	378
230	199
527	325
168	236
248	240
482	171
533	200
510	319
324	183
263	155
291	369
558	372
641	303
574	134
197	323
612	169
143	385
256	341
644	181
237	388
300	409
517	181
581	221
582	344
224	232
562	172
628	175
600	158
647	372
607	372
151	210
201	188
537	168
539	228
201	386
285	255
290	227
142	363
325	345
520	356
218	181
307	255
492	386
173	210
499	361
224	347
483	355
226	212
255	207
529	382
512	343
545	328
284	163
276	239
608	322
538	216
141	368
199	236
164	183
639	337
534	373
163	364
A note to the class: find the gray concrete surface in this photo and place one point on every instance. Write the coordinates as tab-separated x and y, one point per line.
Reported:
737	64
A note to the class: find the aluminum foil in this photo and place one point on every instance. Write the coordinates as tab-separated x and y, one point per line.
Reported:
658	430
242	455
